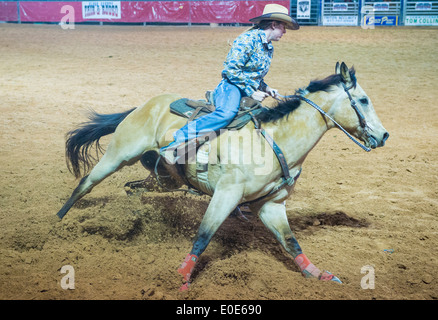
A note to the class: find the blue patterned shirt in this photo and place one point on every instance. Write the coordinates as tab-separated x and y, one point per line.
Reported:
248	61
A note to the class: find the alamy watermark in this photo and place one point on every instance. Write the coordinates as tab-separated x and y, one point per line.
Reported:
368	280
68	281
67	21
235	147
368	19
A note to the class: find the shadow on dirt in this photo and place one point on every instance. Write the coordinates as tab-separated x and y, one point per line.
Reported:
183	214
161	217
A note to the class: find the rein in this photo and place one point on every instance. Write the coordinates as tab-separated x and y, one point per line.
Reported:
353	105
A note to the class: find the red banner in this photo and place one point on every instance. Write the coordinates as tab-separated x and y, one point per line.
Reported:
136	11
163	11
8	11
36	11
215	12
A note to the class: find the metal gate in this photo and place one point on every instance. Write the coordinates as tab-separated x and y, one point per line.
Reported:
306	12
386	13
340	13
421	13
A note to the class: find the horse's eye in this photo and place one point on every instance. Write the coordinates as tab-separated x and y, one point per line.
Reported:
363	101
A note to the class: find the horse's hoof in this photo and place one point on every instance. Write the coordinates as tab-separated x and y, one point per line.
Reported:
239	214
184	287
327	276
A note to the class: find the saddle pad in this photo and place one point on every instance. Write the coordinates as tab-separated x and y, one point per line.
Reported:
180	108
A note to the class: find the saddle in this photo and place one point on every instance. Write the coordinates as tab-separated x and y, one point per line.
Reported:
193	109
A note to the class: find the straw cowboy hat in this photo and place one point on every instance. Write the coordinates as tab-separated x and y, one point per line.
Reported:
278	13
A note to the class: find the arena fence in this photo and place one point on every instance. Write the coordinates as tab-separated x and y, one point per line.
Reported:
365	13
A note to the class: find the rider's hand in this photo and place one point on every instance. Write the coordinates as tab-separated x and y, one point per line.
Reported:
272	92
259	95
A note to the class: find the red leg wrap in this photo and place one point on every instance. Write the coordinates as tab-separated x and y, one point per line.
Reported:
308	269
187	266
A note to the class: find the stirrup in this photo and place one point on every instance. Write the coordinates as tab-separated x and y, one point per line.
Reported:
173	153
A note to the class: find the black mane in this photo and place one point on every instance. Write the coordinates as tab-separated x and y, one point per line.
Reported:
282	109
327	83
286	107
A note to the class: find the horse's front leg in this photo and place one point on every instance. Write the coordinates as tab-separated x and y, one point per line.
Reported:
225	199
273	215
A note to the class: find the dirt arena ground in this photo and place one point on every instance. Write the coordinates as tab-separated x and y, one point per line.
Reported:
351	209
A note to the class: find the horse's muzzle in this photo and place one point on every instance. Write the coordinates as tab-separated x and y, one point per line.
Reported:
375	142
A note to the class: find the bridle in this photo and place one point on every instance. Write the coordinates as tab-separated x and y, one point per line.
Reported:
353	104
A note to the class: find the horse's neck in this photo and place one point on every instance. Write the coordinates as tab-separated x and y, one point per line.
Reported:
301	131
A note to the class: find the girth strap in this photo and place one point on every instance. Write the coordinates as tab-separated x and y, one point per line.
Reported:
280	155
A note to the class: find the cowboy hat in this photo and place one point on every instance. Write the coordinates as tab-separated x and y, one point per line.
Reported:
277	12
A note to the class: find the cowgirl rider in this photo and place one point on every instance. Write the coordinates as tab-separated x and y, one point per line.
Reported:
246	65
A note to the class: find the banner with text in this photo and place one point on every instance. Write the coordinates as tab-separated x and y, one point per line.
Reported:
381	20
140	11
340	20
421	21
101	10
303	9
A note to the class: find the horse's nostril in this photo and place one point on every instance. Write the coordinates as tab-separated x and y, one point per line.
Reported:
385	137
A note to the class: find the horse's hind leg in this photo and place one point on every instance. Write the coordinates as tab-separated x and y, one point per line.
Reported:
114	159
273	215
105	167
78	193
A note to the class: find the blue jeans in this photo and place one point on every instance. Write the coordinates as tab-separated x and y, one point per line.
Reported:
227	101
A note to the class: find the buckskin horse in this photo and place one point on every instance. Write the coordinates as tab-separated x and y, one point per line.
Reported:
297	123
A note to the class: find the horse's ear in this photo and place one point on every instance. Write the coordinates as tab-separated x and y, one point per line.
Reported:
345	73
337	68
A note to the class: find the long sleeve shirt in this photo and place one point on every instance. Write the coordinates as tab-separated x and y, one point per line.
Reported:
248	61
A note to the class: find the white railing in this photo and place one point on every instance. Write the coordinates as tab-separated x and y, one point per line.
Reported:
396	12
385	8
336	13
383	13
421	13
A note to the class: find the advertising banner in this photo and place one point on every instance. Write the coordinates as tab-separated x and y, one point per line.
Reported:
421	21
215	12
303	9
381	20
137	11
340	7
423	6
8	11
340	20
381	6
101	10
38	11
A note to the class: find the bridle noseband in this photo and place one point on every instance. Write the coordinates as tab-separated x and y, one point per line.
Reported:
353	104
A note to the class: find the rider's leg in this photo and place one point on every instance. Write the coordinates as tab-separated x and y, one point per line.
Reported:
227	100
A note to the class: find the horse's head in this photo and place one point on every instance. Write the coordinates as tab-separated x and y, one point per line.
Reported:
354	110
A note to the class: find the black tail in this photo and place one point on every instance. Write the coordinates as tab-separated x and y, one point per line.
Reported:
80	140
